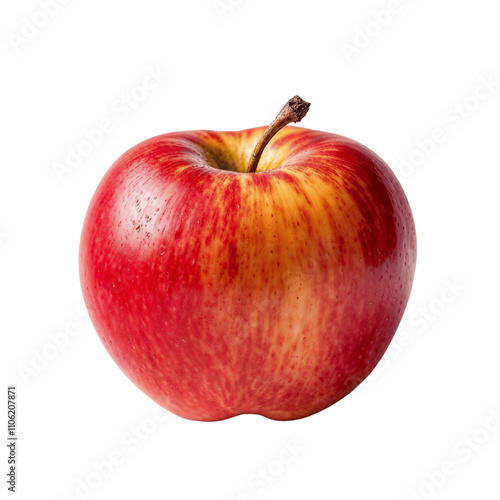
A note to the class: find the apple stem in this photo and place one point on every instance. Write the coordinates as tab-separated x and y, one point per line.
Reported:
293	111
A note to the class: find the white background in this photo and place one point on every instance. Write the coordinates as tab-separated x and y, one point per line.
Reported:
232	69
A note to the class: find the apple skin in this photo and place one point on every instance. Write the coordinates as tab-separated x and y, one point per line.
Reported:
220	292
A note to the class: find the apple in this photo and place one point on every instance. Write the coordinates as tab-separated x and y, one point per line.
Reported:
224	278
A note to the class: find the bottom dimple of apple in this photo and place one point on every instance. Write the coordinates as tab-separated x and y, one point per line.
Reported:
220	292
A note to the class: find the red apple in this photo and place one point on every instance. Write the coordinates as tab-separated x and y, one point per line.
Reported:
219	291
